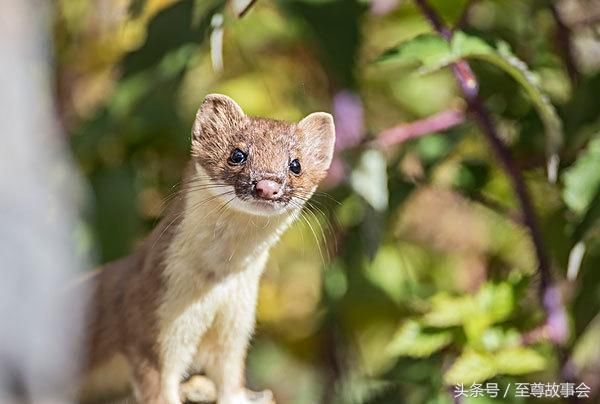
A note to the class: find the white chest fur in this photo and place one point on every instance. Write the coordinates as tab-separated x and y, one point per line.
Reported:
215	260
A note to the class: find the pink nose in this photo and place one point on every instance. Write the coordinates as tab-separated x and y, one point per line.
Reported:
268	189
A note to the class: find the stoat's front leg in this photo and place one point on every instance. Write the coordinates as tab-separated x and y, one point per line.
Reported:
222	352
147	380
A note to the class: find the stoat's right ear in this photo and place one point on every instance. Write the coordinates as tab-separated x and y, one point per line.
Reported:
218	114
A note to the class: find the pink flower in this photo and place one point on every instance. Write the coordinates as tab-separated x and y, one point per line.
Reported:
349	119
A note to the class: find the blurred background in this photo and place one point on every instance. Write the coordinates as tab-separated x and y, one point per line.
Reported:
414	271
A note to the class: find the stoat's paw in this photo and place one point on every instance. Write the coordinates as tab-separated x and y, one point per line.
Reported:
249	397
200	389
260	397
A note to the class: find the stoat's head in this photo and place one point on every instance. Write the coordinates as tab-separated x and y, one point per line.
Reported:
260	166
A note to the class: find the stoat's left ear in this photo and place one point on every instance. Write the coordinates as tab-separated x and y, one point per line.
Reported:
319	131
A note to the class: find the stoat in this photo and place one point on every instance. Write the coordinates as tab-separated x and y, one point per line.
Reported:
185	299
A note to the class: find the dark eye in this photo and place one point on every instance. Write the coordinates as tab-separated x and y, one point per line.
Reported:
237	157
295	166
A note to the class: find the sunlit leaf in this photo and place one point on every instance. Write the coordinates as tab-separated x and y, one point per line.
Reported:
450	11
369	179
410	340
427	49
241	7
447	311
432	148
475	366
496	338
335	281
518	361
590	217
471	367
216	42
496	300
587	350
575	258
393	269
582	187
493	303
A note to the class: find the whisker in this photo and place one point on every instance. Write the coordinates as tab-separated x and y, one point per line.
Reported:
325	216
187	210
195	179
328	196
320	226
202	203
315	236
191	188
222	210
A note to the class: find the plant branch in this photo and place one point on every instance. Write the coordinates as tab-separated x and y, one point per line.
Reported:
549	294
563	38
412	130
434	19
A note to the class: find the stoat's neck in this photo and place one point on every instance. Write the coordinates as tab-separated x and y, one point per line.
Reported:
213	236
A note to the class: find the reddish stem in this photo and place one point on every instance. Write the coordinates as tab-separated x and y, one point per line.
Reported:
434	123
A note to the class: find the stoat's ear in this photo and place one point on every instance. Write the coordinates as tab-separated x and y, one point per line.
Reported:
319	133
217	115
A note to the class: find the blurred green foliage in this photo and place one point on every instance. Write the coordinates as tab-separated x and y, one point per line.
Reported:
414	272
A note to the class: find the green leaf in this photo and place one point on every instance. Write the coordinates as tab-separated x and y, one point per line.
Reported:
427	49
387	272
351	211
449	11
496	300
448	311
591	216
433	53
494	339
519	361
475	366
369	179
582	189
471	367
587	350
582	179
492	303
464	45
411	340
433	147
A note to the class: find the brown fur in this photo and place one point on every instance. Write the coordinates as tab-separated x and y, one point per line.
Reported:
126	295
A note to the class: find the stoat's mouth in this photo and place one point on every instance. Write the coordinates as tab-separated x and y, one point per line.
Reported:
259	207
